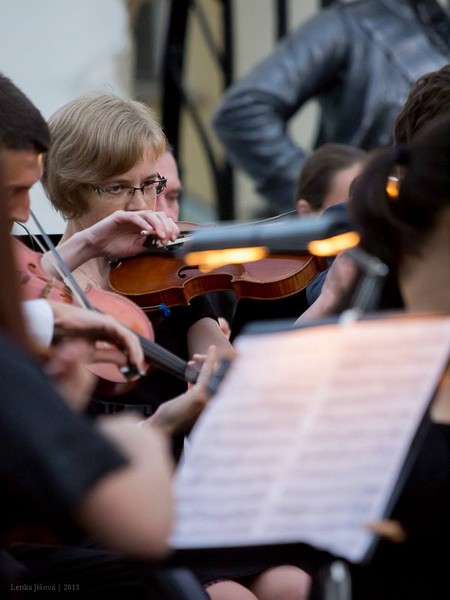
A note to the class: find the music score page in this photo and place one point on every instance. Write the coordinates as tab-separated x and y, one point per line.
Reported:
308	434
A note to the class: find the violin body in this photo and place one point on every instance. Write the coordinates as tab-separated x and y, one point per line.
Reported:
150	280
33	280
111	381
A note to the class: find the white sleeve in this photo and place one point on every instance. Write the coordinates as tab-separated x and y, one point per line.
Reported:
40	320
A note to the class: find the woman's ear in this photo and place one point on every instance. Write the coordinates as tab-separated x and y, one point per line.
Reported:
303	207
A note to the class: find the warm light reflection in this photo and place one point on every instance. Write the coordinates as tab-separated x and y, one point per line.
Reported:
211	259
333	245
393	187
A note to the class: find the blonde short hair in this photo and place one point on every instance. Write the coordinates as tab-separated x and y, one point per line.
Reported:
95	137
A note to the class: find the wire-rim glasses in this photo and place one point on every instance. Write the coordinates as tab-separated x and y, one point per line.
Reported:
151	187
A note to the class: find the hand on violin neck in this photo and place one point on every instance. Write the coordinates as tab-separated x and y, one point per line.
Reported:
204	364
180	413
336	290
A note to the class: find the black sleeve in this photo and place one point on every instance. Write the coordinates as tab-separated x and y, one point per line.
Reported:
50	455
252	118
199	308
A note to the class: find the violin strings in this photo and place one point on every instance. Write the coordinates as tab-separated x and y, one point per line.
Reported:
29	234
60	266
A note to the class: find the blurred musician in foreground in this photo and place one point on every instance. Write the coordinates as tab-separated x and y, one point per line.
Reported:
62	476
408	227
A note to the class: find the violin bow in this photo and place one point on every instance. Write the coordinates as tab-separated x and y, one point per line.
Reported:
60	265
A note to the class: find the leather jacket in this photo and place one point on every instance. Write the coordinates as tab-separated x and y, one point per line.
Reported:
358	59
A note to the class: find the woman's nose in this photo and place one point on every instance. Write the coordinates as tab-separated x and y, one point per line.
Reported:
140	201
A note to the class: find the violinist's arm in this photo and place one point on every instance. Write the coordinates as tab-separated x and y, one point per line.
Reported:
118	235
206	332
339	281
131	510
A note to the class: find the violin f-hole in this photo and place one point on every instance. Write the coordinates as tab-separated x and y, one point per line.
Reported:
183	272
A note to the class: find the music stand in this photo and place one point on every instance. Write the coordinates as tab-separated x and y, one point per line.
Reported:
265	517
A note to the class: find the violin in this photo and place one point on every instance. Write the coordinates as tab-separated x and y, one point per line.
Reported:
159	277
35	283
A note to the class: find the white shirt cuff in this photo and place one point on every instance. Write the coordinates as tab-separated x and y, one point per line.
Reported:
40	320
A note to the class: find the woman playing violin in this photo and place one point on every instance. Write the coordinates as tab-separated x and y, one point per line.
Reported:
100	173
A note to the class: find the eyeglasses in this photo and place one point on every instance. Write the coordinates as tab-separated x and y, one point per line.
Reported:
152	187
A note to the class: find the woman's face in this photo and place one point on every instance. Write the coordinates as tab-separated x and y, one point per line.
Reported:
114	193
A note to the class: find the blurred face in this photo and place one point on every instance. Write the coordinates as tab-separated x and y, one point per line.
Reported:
21	169
115	193
168	201
340	185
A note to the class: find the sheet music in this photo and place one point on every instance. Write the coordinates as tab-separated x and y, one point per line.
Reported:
307	435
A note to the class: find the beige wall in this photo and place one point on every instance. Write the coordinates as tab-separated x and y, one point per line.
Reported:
254	27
